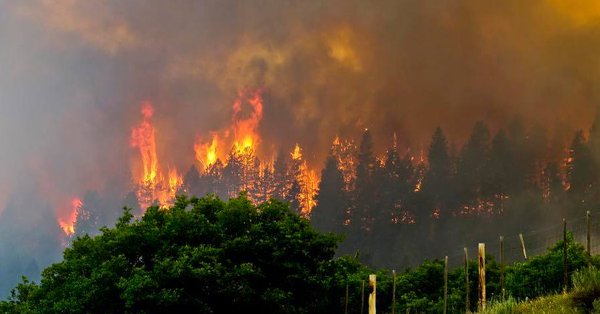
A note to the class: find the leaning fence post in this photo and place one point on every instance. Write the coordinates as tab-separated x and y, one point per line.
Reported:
481	263
523	246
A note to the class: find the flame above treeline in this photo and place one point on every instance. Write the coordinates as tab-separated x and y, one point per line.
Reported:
228	156
234	146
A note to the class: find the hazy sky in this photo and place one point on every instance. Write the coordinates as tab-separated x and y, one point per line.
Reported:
73	74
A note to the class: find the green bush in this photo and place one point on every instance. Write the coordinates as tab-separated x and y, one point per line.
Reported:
586	287
544	274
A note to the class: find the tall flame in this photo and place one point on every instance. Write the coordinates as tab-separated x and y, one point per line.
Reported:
175	180
152	185
206	153
144	138
68	224
245	129
309	183
242	134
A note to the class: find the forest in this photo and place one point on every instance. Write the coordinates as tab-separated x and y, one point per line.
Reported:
397	209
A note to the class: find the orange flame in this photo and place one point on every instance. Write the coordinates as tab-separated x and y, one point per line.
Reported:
175	180
245	129
206	153
297	153
152	185
309	183
242	135
68	224
144	138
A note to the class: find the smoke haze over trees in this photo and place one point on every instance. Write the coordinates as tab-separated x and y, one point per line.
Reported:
418	75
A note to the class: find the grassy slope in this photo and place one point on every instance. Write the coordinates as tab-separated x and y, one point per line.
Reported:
558	303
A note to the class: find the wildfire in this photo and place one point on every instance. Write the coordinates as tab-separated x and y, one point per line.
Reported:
152	184
206	153
297	153
68	224
345	152
144	138
242	135
308	182
245	129
175	180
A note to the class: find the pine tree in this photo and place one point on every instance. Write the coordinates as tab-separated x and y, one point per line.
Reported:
215	180
396	185
552	184
266	185
473	159
280	176
436	181
594	150
192	183
88	215
330	212
233	173
365	190
579	168
293	195
496	185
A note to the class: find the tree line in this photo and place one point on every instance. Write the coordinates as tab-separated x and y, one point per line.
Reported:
517	179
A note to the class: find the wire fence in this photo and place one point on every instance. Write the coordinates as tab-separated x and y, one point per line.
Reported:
536	241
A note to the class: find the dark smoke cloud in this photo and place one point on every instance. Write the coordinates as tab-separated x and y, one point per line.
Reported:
329	66
75	72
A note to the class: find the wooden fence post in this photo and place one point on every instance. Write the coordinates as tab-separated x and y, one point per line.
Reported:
394	293
589	237
446	285
373	294
481	263
346	302
362	298
523	246
502	282
467	288
565	266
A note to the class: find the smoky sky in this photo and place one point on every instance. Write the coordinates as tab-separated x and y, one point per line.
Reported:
73	75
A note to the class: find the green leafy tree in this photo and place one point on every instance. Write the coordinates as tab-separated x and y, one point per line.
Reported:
201	255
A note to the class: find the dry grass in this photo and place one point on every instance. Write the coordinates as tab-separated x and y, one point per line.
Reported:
559	304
